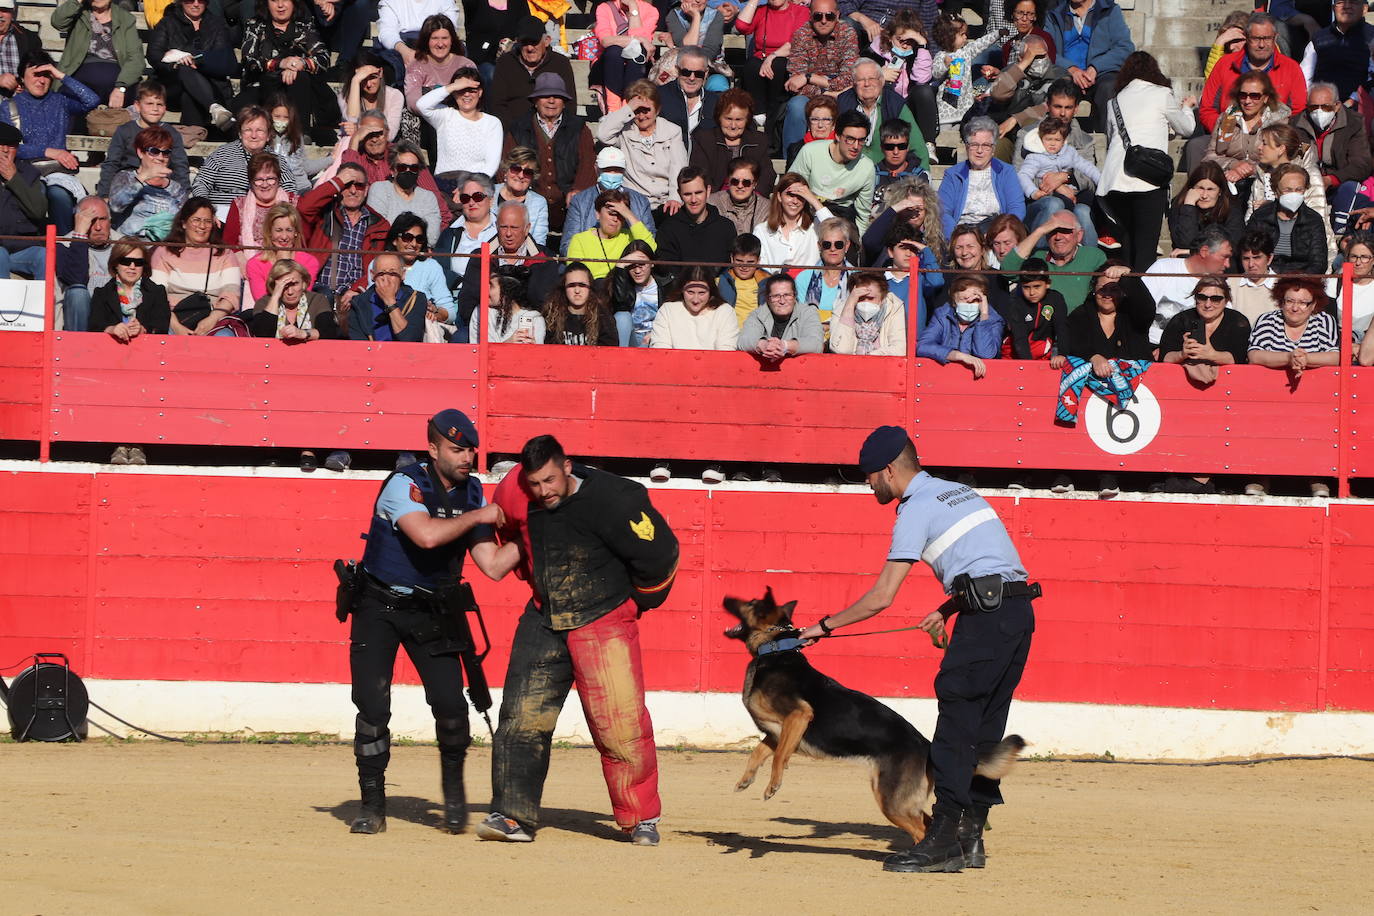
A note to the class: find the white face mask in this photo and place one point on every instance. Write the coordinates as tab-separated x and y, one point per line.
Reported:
1323	119
1291	201
866	311
968	312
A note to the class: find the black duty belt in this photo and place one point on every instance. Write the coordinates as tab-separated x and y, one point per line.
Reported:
393	601
1021	590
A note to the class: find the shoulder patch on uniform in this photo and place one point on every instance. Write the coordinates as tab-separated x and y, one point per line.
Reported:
415	495
644	528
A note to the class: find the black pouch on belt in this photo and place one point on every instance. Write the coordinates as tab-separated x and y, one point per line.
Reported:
983	593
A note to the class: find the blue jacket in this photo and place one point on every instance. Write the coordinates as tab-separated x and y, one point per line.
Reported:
982	339
954	192
1109	43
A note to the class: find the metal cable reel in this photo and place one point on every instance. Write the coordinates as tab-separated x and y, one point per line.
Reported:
47	701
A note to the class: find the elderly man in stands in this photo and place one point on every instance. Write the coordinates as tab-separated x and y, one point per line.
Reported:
784	329
1093	41
562	141
1341	144
23	208
518	72
514	255
336	216
872	97
224	176
1173	294
1068	259
821	61
838	172
686	101
83	264
610	168
980	188
1339	53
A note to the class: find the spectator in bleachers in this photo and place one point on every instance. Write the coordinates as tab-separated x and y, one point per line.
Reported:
150	104
1067	257
1093	43
468	139
402	193
697	232
821	113
785	328
1230	38
883	107
562	143
632	294
653	146
1207	335
1339	53
1342	150
1280	145
1062	100
282	52
1171	280
604	243
787	235
191	50
965	330
699	320
576	313
686	100
289	309
1003	234
903	50
102	49
1235	139
409	238
731	136
475	224
246	221
871	322
439	53
770	27
610	167
979	188
282	240
366	145
739	201
335	216
520	169
130	304
1110	326
1262	54
1027	19
838	172
46	119
486	25
1299	333
1299	232
1148	107
826	287
968	251
699	25
1025	85
952	67
204	282
898	162
1251	290
388	309
1359	251
820	60
23	208
913	201
519	69
223	178
1034	317
510	320
739	286
905	250
83	263
15	42
1204	200
514	255
366	89
625	29
1049	182
288	142
400	25
144	199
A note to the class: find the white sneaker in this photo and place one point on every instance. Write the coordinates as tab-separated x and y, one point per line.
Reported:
220	116
660	473
1255	489
1062	484
502	468
1107	487
1320	490
713	474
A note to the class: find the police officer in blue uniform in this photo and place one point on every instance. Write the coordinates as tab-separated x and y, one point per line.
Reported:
427	517
958	535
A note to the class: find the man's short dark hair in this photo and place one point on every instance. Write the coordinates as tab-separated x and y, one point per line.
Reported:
1035	270
1257	240
901	231
1211	238
1065	88
852	118
772	280
894	129
539	451
692	173
747	243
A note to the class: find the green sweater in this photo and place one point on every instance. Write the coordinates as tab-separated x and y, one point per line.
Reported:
1074	289
75	23
847	185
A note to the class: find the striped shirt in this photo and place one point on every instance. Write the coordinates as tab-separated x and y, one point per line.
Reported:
224	176
1319	336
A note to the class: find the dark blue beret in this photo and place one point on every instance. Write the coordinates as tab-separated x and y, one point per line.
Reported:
455	426
882	447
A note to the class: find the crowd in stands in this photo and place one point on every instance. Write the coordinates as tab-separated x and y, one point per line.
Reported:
353	175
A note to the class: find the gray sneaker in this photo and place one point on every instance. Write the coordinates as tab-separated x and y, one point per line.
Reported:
645	833
496	826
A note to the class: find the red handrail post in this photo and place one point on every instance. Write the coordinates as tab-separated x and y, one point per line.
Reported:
49	332
1343	381
913	331
483	317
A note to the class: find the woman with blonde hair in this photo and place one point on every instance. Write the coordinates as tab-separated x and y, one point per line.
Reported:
282	238
788	235
913	200
520	168
290	310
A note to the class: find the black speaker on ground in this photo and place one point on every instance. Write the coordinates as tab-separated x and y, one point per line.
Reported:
47	701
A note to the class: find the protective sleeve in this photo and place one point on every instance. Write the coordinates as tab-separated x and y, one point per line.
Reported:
640	536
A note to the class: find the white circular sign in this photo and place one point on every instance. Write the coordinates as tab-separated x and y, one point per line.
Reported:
1123	432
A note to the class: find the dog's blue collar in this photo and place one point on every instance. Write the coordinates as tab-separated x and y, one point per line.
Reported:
789	644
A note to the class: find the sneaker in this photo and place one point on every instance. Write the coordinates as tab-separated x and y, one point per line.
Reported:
713	474
502	468
1062	484
136	456
1255	488
772	475
120	455
1319	490
338	461
645	833
496	826
1185	485
404	459
661	473
1108	243
308	461
220	116
740	477
1017	485
1107	487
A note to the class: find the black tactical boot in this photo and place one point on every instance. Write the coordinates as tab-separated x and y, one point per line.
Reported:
455	798
971	836
372	818
938	852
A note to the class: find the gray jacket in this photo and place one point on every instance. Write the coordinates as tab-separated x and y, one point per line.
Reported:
1028	141
804	326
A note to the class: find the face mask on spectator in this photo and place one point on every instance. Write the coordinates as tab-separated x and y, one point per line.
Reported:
280	126
1291	201
968	312
900	51
867	311
611	180
1323	119
407	180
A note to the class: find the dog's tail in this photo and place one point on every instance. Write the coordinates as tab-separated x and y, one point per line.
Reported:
997	763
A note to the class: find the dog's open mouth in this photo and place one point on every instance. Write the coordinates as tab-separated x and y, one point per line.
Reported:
735	632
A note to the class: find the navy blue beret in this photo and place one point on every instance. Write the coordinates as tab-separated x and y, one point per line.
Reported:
455	426
882	447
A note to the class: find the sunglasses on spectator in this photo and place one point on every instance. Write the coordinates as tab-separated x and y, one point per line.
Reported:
577	284
407	167
824	17
387	273
895	146
131	262
520	170
829	246
693	74
350	185
415	237
741	182
477	198
1250	96
1330	107
157	151
1213	298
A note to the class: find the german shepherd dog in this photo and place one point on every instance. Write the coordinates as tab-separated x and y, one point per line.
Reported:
800	709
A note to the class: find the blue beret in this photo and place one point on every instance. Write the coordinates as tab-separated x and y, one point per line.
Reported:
455	426
882	447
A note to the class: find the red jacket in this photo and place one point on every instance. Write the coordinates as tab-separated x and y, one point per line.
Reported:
1284	73
320	221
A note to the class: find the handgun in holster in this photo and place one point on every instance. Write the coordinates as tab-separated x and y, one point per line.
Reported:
350	576
454	603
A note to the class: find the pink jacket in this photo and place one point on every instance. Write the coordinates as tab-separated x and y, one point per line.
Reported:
607	25
919	72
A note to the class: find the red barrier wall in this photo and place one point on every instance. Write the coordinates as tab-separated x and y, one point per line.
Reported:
146	576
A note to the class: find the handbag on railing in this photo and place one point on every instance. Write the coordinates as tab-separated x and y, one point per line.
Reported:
196	307
1150	165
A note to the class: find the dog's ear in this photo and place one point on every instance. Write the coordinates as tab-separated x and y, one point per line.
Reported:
785	612
768	602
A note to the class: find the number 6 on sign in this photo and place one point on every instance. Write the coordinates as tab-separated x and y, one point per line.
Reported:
1123	431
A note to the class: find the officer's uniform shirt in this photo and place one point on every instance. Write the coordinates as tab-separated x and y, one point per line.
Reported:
953	530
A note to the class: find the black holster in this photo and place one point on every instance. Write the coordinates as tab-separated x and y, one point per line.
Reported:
981	594
350	576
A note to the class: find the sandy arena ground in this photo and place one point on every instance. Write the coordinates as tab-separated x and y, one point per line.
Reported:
156	828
